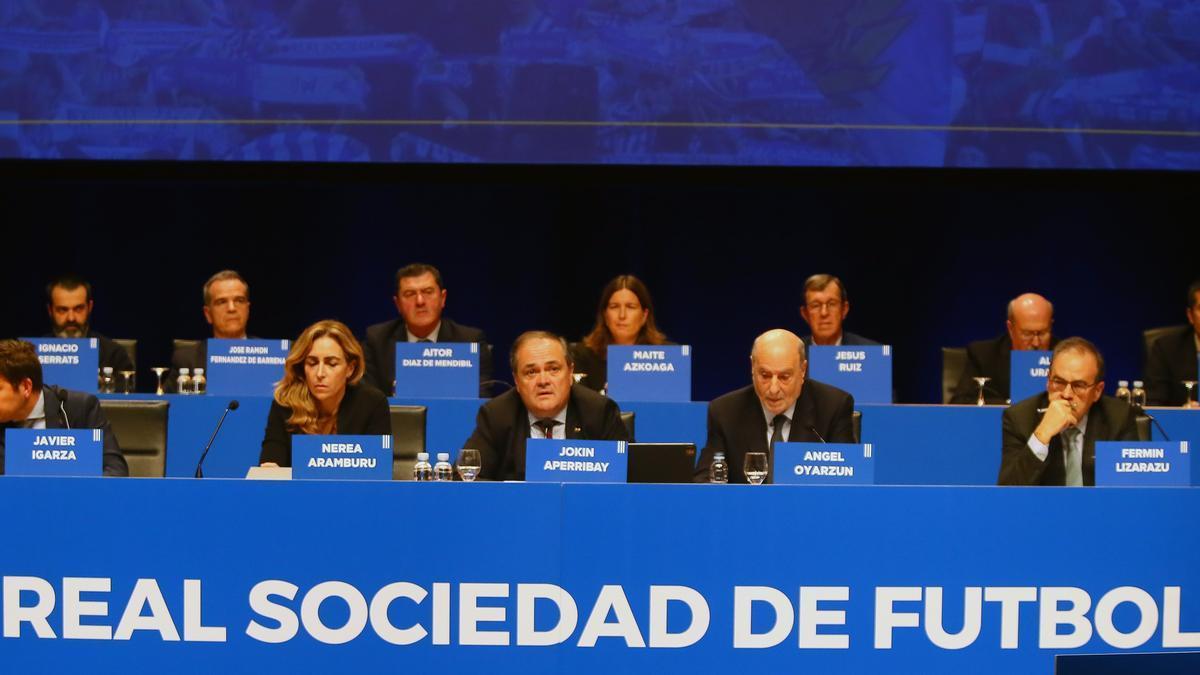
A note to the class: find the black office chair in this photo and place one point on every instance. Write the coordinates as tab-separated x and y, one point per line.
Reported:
627	420
1143	427
856	422
141	431
1150	336
408	438
954	362
130	347
178	344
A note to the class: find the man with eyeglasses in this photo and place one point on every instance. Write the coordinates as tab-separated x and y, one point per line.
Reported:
420	298
824	310
1030	318
545	403
1050	438
226	309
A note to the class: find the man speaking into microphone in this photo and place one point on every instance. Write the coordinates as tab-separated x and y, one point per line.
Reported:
1050	438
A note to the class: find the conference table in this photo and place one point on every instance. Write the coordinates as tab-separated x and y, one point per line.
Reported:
913	444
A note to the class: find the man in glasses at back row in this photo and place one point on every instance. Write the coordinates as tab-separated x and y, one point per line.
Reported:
1050	438
1030	317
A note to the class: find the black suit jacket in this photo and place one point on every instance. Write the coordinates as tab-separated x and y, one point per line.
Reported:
737	425
1172	359
988	358
848	340
364	410
502	427
110	354
82	411
379	349
1109	419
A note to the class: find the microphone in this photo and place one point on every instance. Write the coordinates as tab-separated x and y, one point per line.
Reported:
233	405
1142	411
816	433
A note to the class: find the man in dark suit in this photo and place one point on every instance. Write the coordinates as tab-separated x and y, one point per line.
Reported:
227	309
1171	359
69	304
420	298
26	403
825	307
545	403
1030	318
781	405
1050	438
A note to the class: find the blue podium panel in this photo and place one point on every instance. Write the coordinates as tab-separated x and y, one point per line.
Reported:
933	444
587	578
662	422
191	422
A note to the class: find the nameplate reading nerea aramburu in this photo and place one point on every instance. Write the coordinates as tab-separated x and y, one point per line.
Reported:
650	372
824	464
863	370
1143	464
1030	370
437	369
245	367
575	461
342	457
54	452
71	363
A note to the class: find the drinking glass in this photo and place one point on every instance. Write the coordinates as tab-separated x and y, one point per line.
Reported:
469	464
981	381
1189	385
127	381
160	372
755	467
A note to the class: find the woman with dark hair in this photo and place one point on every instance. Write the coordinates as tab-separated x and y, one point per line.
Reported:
320	393
625	316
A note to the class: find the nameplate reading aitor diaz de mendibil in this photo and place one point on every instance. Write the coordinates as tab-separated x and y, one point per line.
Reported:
245	367
342	457
824	464
1030	370
575	461
1143	464
863	370
72	363
437	369
650	372
54	452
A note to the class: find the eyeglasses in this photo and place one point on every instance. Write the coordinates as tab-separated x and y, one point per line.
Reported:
828	305
1041	335
1078	386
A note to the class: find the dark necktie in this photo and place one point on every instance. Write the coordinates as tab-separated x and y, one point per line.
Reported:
424	340
546	426
776	437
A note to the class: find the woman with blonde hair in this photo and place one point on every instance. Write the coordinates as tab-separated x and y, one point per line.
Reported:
321	393
625	316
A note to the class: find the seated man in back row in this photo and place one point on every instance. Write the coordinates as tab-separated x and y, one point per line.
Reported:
1030	319
27	403
545	403
69	304
420	298
227	309
1172	359
780	406
1050	438
825	307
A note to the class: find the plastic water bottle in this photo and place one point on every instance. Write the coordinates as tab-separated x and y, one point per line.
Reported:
183	383
443	470
422	470
718	471
199	382
1123	392
1138	394
107	384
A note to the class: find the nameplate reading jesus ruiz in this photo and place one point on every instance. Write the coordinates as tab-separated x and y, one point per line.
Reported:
863	370
342	457
824	464
73	363
245	367
54	452
437	369
575	461
1030	370
1143	464
649	372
